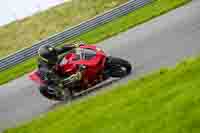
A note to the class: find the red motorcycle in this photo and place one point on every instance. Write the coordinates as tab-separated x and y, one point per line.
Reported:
84	67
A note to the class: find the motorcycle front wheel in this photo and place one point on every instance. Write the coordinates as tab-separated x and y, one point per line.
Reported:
118	67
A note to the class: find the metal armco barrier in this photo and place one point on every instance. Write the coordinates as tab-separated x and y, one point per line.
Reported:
84	27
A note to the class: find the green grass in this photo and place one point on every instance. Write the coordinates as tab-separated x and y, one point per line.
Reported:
18	70
24	33
144	14
167	101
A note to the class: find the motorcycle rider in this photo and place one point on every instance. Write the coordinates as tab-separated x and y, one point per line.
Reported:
49	58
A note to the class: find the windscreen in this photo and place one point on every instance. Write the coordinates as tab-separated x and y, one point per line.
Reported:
85	54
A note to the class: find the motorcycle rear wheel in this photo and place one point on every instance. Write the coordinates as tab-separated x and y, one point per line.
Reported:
65	95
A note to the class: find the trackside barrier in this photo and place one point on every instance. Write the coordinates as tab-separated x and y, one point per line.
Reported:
27	53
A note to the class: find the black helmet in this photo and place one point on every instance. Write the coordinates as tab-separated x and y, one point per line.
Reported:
48	54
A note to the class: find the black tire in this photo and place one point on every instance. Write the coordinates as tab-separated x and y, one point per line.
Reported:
64	96
44	92
118	67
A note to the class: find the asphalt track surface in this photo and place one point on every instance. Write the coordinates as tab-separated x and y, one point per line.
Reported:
160	42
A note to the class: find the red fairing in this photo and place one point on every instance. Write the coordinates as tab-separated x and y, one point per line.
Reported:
67	65
34	76
94	65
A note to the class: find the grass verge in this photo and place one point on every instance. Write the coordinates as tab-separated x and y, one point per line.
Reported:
166	101
142	15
